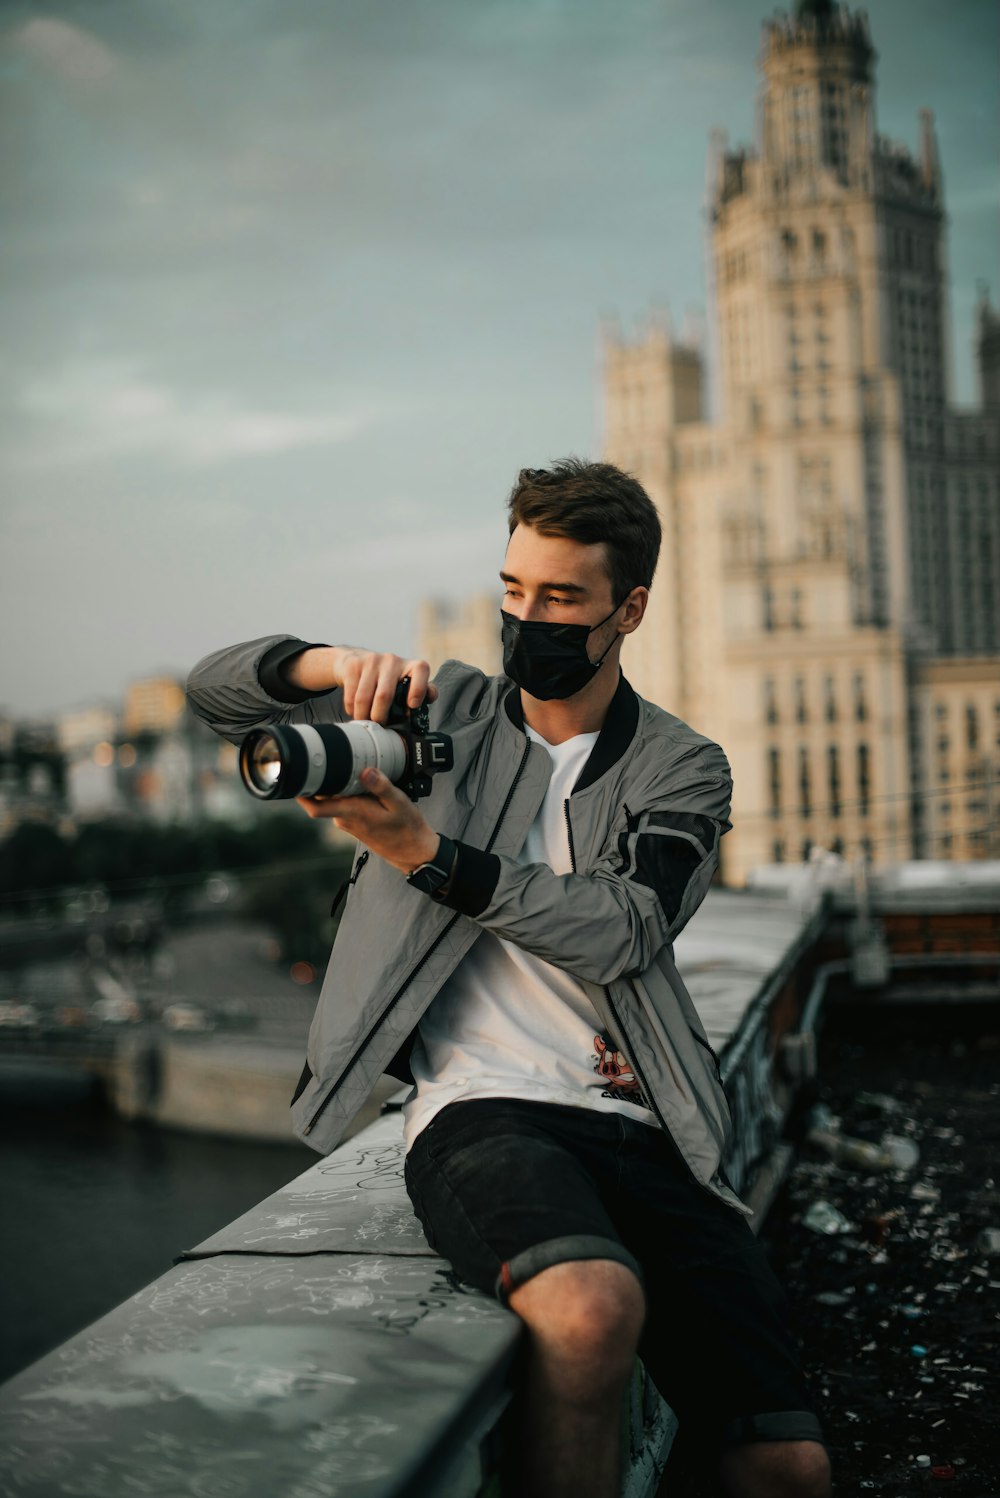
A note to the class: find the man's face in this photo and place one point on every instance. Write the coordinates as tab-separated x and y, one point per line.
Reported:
555	580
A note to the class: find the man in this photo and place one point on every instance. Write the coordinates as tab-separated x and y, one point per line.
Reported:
567	1118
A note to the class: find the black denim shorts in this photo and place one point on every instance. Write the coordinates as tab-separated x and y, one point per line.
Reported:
505	1188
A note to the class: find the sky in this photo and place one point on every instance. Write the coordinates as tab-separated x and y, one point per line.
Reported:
291	289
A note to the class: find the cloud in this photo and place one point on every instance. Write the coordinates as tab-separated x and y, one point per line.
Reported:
444	555
66	49
90	411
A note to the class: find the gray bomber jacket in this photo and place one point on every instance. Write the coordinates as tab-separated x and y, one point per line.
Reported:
644	820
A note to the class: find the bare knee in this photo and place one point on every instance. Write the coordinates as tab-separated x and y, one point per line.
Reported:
588	1312
777	1469
809	1470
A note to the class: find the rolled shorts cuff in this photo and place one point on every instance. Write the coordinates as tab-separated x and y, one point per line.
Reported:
523	1266
775	1425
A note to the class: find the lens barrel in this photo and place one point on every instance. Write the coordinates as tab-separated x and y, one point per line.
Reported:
317	759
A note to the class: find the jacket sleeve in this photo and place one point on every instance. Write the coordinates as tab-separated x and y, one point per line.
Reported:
243	687
611	921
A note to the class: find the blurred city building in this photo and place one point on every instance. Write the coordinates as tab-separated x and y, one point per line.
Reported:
827	603
83	727
465	631
86	736
32	774
148	758
153	704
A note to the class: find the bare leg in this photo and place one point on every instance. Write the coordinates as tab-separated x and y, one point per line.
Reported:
776	1469
584	1319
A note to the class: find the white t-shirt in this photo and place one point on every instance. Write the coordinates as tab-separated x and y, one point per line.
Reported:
507	1023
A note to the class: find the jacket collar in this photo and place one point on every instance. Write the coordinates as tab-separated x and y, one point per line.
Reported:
617	731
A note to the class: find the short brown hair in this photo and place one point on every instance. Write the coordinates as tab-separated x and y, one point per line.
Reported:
592	503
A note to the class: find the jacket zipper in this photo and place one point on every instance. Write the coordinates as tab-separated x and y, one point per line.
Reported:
646	1090
308	1128
569	834
708	1048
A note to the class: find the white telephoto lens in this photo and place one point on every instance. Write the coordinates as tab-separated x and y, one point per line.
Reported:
373	747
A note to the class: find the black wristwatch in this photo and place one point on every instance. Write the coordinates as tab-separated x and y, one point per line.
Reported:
430	877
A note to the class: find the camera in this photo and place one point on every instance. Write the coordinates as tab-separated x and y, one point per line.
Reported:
326	759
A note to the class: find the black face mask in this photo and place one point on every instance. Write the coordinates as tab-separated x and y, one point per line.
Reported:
549	660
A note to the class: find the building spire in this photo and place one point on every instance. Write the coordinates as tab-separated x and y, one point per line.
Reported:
814	10
930	162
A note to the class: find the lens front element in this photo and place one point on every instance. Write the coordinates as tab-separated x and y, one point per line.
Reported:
262	763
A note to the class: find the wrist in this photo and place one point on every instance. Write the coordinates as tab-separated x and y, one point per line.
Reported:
315	670
279	671
426	851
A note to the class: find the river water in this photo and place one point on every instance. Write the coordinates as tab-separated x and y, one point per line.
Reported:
93	1207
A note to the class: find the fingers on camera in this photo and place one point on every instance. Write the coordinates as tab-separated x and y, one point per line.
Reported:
419	674
372	693
388	670
365	688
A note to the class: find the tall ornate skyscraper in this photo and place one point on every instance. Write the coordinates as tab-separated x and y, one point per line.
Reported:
824	545
827	604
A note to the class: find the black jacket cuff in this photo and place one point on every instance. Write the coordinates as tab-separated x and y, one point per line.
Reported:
272	678
473	882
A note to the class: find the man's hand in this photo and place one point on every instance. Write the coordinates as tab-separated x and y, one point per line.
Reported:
369	679
384	820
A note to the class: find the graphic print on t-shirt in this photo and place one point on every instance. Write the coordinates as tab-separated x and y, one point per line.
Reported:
623	1085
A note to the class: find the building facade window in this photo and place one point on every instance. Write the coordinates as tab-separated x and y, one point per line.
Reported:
805	800
800	700
971	727
833	770
860	702
774	780
770	701
863	779
829	700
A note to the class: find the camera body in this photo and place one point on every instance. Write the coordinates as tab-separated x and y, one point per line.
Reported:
326	759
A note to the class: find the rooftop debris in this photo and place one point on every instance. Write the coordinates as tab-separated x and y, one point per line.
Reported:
917	1255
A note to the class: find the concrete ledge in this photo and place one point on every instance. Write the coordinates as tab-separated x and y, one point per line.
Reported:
258	1376
316	1345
